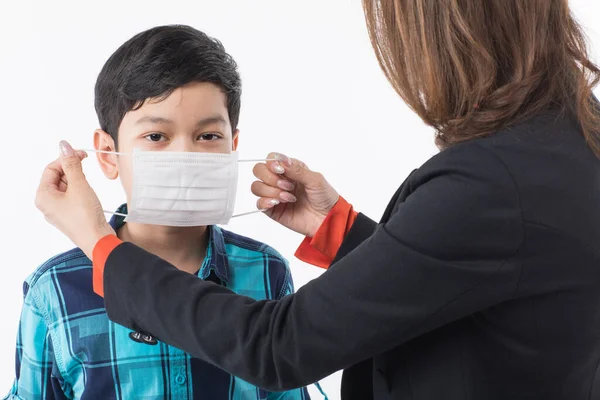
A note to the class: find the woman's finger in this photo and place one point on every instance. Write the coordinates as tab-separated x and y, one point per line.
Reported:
262	172
51	176
265	203
71	165
62	186
277	166
261	189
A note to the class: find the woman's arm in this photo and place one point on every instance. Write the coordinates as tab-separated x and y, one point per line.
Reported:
342	230
321	249
446	252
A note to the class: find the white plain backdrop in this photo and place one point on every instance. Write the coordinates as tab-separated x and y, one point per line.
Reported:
312	89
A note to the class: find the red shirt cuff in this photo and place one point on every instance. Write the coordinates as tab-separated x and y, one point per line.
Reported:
323	247
99	256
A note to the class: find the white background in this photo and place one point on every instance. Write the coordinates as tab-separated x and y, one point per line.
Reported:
311	89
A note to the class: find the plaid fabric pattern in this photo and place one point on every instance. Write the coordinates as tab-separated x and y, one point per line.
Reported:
67	348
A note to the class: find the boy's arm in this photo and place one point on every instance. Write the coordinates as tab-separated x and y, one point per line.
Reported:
37	375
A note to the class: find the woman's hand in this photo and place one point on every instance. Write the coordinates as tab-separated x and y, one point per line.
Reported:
69	203
292	194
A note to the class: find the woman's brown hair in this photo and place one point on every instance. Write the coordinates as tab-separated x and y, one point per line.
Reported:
472	67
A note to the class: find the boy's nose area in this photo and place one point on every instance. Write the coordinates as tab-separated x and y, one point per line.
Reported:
182	143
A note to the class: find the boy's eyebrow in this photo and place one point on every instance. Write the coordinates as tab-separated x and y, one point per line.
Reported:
216	119
153	120
160	120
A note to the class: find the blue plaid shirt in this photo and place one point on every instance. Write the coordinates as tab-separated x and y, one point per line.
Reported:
67	348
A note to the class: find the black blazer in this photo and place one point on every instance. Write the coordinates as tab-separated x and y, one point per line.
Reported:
482	281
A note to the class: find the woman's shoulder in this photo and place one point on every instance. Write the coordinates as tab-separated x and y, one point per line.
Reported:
473	162
542	167
545	140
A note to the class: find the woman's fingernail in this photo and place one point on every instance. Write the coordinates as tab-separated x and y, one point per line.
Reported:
65	149
284	159
278	168
288	197
285	185
273	202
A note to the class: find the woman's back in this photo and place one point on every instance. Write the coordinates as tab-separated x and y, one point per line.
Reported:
543	339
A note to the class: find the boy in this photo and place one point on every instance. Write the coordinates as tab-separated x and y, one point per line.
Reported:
171	88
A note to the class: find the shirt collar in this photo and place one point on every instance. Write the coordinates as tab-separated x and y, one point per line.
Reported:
216	256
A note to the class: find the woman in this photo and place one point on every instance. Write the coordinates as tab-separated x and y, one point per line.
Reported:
481	280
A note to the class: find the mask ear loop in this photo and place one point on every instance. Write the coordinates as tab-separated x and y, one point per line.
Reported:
262	210
233	216
108	152
105	152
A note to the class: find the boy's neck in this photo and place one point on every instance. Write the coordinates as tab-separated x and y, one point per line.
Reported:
184	247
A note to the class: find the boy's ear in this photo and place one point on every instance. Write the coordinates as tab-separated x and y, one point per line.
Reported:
108	162
236	136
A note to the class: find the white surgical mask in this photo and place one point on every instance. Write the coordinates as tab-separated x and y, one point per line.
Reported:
182	188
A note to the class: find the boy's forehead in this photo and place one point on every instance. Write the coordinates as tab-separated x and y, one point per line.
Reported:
197	93
198	100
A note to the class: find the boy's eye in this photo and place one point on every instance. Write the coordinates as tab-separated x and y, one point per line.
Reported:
209	136
155	137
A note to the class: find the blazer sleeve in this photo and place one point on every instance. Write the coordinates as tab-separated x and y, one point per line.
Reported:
447	251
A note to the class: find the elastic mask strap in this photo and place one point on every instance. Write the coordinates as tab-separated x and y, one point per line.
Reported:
259	160
115	213
248	213
127	154
233	216
105	152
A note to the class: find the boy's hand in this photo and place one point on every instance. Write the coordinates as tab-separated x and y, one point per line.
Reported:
69	203
292	194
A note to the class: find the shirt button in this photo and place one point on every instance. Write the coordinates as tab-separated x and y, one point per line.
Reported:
180	379
142	337
135	336
149	339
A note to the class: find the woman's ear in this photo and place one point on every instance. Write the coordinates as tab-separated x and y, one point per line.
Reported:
108	162
236	136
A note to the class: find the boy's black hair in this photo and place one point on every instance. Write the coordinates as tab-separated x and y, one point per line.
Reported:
156	62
